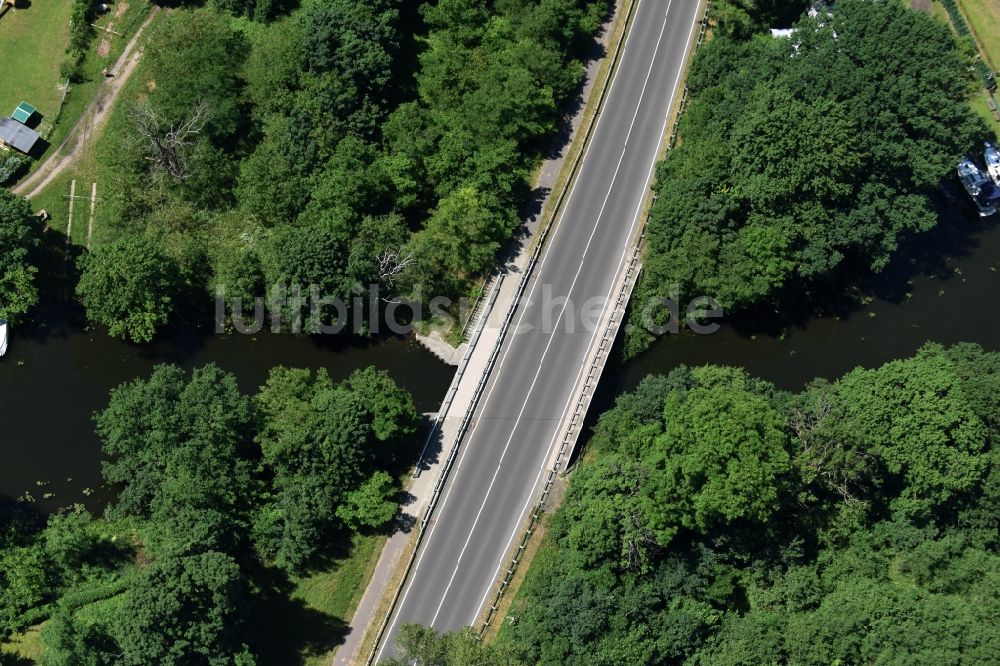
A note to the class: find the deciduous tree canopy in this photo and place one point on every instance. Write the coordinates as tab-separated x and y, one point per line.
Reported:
800	153
129	286
340	133
725	522
18	235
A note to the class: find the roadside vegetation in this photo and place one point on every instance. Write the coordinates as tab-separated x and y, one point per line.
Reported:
238	517
717	520
726	522
806	157
721	521
256	143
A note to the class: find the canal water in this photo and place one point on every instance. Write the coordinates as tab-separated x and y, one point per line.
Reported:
52	382
943	287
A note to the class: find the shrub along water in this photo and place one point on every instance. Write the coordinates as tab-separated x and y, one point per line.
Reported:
725	522
220	494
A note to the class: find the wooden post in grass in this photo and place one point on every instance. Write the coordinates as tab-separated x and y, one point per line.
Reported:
107	30
90	223
69	216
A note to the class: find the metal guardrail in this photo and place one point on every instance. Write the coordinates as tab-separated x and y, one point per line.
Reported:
508	318
449	396
571	435
576	420
438	420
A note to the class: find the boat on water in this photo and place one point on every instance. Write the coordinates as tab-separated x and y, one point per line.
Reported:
3	337
981	189
992	157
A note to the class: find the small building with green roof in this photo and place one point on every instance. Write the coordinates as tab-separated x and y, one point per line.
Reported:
23	113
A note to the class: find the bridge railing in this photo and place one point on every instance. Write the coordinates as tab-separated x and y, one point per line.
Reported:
572	432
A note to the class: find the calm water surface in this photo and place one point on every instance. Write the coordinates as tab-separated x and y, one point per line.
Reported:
52	382
942	288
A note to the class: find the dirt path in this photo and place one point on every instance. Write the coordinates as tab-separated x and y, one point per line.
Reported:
93	117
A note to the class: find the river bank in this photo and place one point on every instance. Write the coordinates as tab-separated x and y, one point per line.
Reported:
55	377
940	288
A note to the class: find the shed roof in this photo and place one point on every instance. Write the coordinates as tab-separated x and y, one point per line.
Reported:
23	112
17	135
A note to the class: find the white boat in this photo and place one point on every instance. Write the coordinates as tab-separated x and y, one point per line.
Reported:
981	190
3	337
992	156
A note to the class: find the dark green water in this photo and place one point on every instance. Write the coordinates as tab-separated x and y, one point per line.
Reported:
52	381
942	288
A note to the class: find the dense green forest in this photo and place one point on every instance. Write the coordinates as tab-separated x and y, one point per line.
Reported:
722	521
726	522
220	494
714	519
304	150
801	157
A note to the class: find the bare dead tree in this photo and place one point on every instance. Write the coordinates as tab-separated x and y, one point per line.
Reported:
168	148
391	264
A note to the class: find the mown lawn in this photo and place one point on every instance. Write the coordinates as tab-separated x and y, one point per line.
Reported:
980	14
87	168
32	47
124	18
979	105
25	647
984	18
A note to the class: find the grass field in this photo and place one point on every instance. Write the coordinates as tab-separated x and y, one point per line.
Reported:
980	13
86	169
32	46
300	620
103	52
24	648
979	105
295	621
33	42
984	19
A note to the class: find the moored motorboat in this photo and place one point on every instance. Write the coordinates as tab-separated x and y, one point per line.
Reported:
3	337
981	189
992	157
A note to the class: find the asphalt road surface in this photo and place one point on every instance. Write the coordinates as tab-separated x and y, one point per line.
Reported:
501	462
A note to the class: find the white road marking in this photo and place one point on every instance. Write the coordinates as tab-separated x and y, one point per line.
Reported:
470	437
497	371
569	402
555	328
